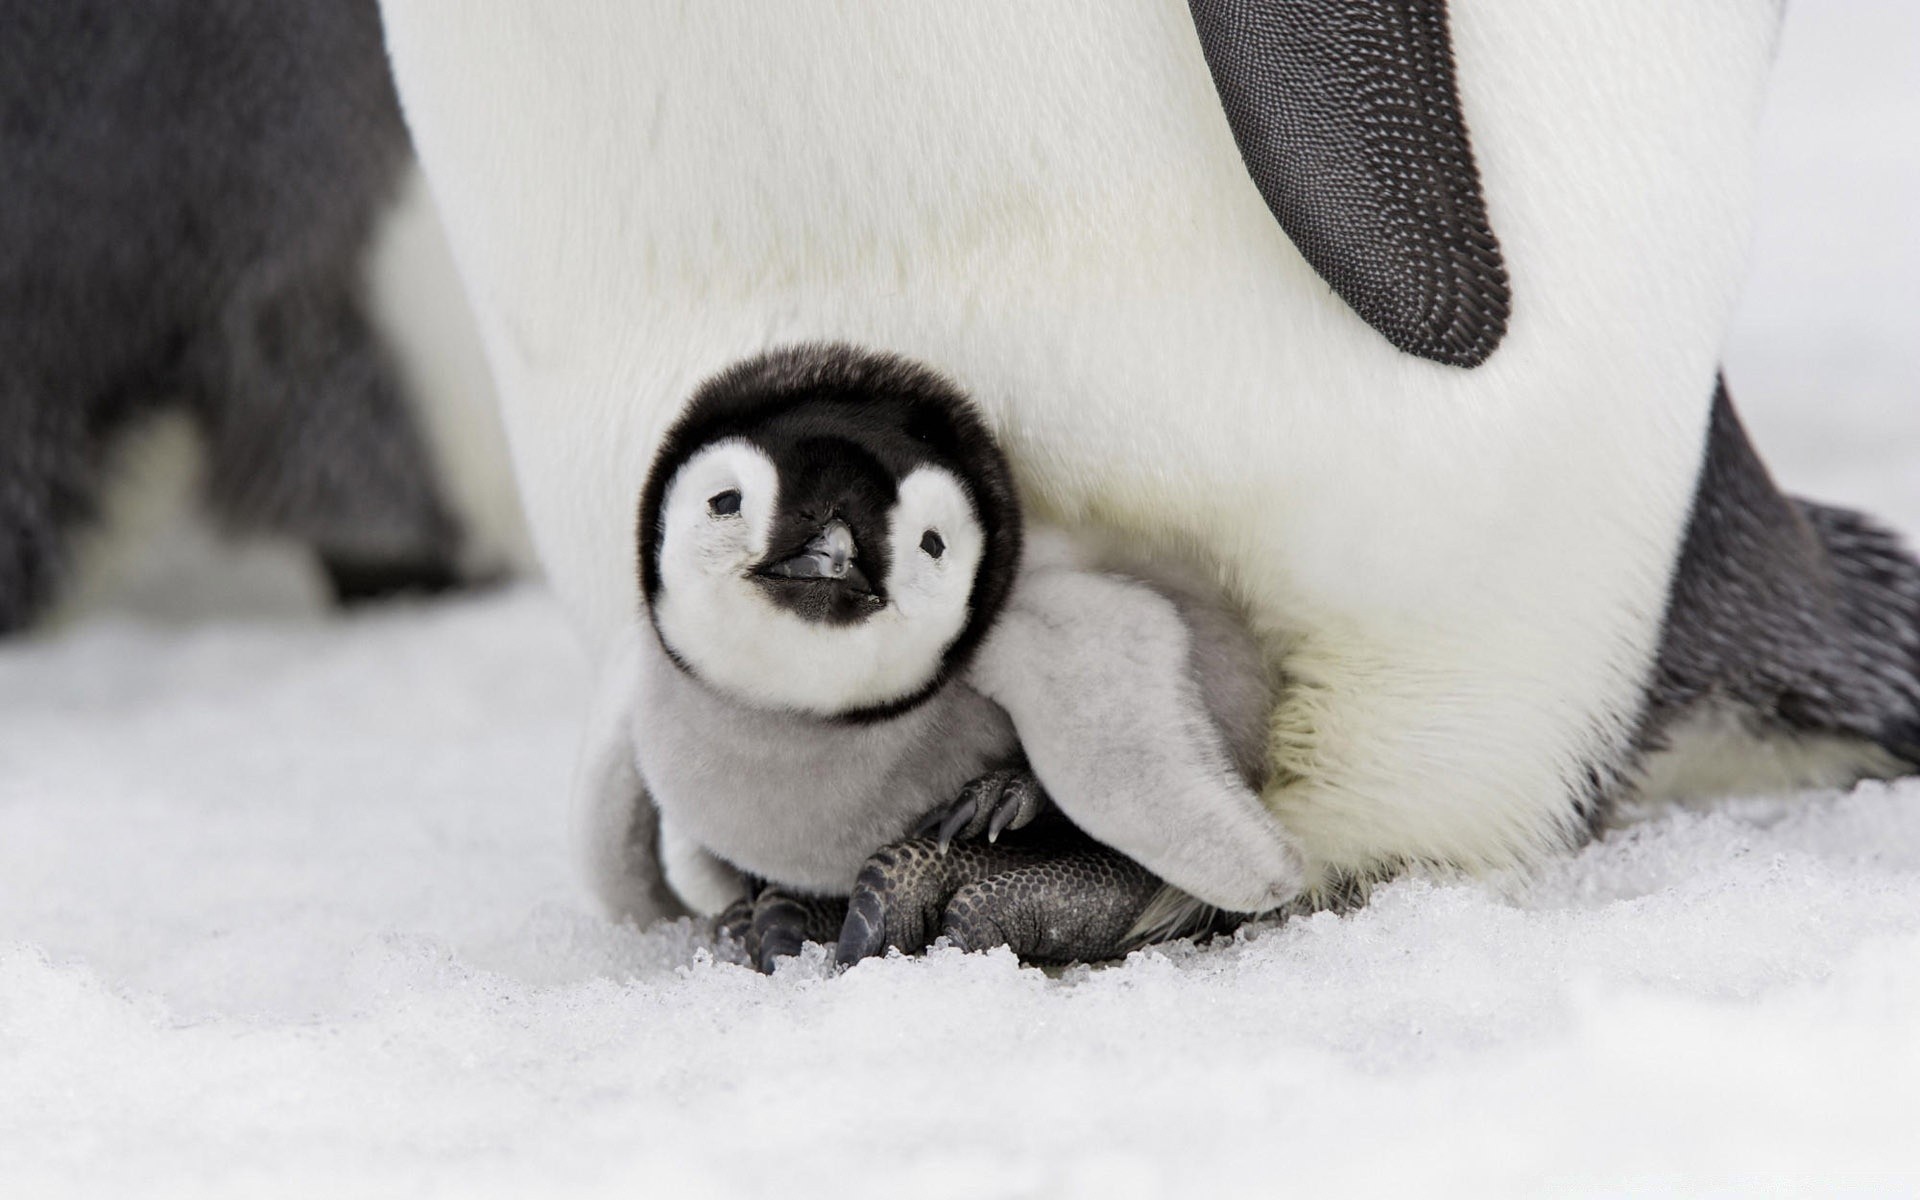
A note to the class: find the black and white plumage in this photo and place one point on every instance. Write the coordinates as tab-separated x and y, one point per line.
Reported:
1401	317
191	190
842	634
869	536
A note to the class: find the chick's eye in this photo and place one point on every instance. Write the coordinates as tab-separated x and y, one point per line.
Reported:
933	544
725	504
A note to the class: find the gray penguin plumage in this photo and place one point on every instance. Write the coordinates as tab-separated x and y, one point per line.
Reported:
1140	708
1789	622
191	187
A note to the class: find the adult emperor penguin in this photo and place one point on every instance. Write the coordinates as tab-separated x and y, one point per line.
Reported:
1404	316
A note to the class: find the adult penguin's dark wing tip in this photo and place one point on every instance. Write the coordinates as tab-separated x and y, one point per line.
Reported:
1348	118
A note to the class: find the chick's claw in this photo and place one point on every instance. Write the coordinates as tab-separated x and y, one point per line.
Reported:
1010	798
772	924
734	921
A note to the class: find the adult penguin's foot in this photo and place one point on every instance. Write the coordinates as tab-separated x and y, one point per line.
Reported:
1060	897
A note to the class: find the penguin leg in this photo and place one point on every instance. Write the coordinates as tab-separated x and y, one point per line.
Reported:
1078	906
774	923
902	892
1009	798
1058	897
310	435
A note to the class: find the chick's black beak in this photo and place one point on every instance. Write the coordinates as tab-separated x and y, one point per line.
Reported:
831	554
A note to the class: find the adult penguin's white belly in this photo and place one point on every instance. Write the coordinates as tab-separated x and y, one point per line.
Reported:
1462	572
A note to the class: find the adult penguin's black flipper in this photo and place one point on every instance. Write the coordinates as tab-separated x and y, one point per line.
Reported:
1349	121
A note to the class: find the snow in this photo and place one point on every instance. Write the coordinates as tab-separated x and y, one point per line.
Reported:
288	905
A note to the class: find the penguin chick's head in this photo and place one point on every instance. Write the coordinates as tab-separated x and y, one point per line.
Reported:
827	530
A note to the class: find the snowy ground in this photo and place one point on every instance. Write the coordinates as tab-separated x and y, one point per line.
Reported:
287	906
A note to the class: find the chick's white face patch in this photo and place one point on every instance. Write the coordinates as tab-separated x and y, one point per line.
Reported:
937	545
715	521
718	620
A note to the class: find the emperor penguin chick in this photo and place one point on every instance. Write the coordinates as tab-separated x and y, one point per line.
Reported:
843	636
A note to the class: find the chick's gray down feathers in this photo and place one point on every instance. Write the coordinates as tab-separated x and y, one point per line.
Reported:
1134	698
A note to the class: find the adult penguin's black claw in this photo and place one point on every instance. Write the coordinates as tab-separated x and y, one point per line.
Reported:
864	933
897	899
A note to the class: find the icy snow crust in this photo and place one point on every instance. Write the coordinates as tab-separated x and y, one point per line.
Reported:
288	907
292	908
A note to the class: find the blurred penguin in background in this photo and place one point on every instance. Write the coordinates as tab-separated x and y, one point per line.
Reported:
195	192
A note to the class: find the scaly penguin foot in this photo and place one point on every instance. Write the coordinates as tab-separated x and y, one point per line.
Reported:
1058	897
772	923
